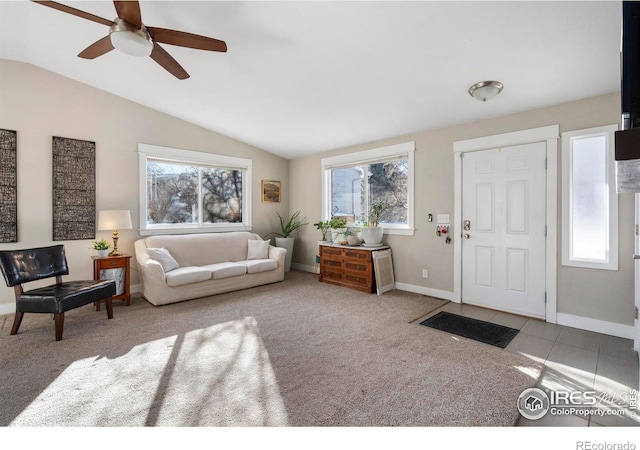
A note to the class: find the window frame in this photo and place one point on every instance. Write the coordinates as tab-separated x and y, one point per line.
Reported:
146	151
611	260
403	150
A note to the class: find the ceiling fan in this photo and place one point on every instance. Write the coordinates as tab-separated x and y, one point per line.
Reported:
128	34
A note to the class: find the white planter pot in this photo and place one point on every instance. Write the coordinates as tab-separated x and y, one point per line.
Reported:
338	235
103	253
372	235
286	243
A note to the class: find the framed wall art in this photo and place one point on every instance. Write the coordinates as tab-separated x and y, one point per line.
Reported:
8	186
74	189
271	191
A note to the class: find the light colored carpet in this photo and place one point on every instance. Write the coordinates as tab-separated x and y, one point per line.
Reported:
297	353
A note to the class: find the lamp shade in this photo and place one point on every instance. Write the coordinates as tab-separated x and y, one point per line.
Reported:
114	220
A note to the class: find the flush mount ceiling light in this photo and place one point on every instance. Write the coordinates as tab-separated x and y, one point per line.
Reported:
130	40
485	90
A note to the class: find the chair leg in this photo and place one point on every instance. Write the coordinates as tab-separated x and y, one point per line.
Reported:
59	318
17	320
109	304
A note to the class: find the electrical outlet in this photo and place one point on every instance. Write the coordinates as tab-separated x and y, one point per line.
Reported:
425	273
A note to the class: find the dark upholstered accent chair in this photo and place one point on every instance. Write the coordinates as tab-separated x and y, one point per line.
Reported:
22	266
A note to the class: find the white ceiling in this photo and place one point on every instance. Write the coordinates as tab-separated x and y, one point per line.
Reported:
305	77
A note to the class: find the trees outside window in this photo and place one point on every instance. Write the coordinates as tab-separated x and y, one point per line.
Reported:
189	194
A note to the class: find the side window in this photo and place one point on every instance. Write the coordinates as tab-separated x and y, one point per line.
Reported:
589	200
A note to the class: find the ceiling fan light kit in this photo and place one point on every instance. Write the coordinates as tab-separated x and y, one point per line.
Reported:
130	40
485	90
130	36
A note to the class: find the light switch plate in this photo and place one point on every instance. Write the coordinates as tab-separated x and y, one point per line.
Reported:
443	218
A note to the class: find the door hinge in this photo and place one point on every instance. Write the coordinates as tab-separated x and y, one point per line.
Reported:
545	164
636	312
545	298
545	231
636	229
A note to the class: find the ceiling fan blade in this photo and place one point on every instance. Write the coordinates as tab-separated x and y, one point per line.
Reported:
75	12
96	49
129	11
160	55
184	39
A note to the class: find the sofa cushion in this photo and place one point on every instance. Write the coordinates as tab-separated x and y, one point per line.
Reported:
260	265
258	249
165	259
186	275
225	270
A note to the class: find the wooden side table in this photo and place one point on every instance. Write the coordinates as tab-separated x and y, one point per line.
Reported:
114	262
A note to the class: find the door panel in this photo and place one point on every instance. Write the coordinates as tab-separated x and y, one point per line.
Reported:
503	253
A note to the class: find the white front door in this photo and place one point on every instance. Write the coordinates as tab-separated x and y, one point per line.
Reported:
504	218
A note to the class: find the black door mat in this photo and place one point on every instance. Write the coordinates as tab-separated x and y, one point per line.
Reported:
478	330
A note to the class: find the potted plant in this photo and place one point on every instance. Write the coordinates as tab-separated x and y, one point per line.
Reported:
102	246
372	233
338	228
325	229
284	239
353	236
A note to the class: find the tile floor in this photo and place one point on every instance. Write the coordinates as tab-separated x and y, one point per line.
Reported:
574	361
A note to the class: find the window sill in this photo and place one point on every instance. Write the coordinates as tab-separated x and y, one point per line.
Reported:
194	230
394	231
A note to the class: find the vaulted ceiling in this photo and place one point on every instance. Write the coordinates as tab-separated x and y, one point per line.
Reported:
305	77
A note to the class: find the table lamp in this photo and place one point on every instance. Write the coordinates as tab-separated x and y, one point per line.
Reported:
114	220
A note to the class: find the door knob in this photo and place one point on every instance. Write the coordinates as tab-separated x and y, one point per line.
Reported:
466	236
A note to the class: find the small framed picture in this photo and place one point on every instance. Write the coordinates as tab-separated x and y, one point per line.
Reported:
271	191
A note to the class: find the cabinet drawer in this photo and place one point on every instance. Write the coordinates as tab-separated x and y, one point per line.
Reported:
358	255
112	264
330	262
330	274
357	266
357	278
331	251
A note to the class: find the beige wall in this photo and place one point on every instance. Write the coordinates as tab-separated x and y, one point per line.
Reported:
597	294
39	104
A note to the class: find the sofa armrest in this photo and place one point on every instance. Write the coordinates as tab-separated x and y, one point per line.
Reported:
151	270
278	254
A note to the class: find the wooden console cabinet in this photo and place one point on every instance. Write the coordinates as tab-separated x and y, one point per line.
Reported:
351	267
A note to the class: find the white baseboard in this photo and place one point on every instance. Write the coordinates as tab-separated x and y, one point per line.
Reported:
304	267
598	326
437	293
7	308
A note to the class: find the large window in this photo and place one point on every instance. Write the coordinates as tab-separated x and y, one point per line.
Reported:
589	200
356	181
184	191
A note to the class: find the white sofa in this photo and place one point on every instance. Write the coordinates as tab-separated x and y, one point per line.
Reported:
209	263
